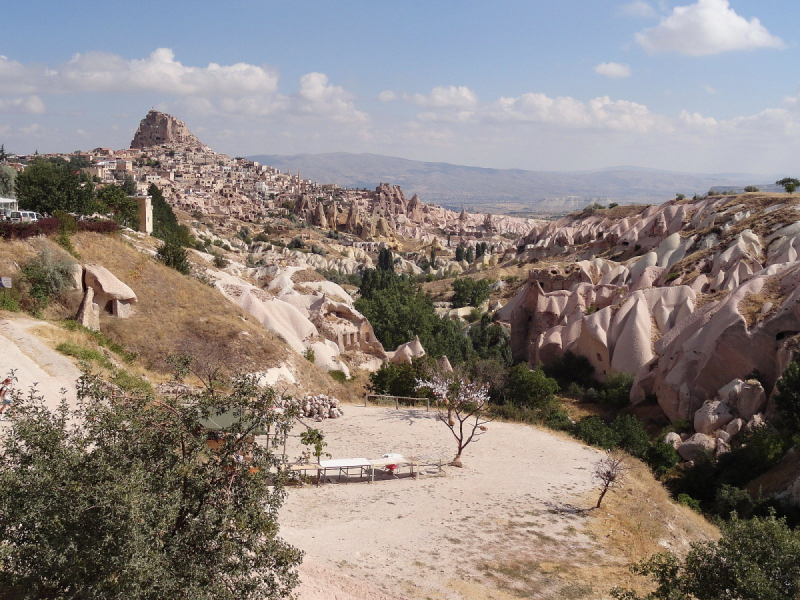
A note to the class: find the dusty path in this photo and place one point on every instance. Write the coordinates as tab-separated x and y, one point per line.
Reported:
442	536
35	362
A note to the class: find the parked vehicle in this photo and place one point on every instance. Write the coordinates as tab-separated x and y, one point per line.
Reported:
24	216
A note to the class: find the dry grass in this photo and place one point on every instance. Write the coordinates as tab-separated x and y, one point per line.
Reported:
639	520
174	310
751	305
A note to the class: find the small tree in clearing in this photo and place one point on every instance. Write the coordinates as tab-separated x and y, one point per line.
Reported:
790	184
609	474
461	405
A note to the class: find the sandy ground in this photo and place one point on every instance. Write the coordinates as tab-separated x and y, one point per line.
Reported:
489	530
34	362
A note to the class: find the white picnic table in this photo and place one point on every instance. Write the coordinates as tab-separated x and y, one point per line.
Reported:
368	466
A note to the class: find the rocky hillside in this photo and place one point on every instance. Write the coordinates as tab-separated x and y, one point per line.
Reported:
699	300
161	129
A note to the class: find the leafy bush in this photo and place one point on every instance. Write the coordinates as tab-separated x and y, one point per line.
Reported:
172	254
529	396
129	504
529	388
339	376
572	368
491	340
47	277
9	302
757	559
296	244
400	380
220	261
616	390
787	399
661	457
731	499
470	292
630	435
625	432
687	500
309	355
318	250
595	432
761	449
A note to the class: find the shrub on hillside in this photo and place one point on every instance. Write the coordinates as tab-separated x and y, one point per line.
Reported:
47	277
172	254
616	390
595	432
757	559
661	457
470	292
572	368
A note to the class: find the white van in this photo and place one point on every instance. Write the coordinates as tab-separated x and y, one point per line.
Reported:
24	216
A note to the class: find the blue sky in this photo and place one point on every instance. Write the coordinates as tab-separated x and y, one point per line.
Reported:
692	85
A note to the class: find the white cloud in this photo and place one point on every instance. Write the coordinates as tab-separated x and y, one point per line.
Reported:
696	120
30	105
387	96
602	112
159	72
317	97
445	97
638	8
706	27
613	70
710	90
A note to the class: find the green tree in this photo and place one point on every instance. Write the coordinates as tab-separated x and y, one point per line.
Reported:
470	292
790	184
399	310
787	399
124	209
396	380
134	498
165	223
470	255
432	259
129	185
459	253
48	185
529	388
757	559
385	260
8	177
751	188
491	340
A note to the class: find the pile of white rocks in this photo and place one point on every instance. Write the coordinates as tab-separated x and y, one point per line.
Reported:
737	408
321	407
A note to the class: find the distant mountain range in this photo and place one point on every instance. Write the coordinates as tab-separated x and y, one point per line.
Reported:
508	190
